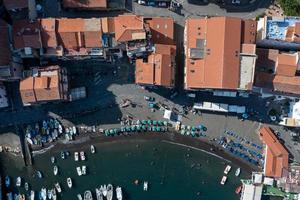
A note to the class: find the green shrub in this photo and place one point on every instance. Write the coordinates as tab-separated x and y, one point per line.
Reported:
290	7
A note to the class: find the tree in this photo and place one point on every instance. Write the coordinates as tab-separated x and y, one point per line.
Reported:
290	7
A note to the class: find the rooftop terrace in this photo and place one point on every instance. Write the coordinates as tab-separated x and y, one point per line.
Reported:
276	26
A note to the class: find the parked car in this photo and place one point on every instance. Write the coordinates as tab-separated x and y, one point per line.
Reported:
141	2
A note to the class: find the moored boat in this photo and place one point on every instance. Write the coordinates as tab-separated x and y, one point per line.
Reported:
32	195
39	174
119	193
52	159
145	186
104	190
227	169
79	197
69	182
110	191
83	170
26	186
82	156
223	181
76	156
54	195
238	171
238	190
49	194
93	149
58	188
9	196
18	182
55	170
44	193
79	172
88	195
7	181
99	194
62	155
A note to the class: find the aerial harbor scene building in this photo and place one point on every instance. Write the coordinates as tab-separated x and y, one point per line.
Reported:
149	99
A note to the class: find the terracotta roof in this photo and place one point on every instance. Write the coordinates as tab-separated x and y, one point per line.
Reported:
129	27
41	88
287	84
86	4
26	34
249	31
289	33
108	24
212	52
287	64
162	30
48	32
249	49
159	68
277	157
15	4
4	45
80	33
266	59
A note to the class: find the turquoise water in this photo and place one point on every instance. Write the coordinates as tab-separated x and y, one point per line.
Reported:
173	172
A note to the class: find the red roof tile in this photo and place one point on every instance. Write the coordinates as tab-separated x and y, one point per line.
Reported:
48	32
162	30
287	64
277	156
85	4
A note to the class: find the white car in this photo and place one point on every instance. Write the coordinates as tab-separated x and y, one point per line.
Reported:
141	2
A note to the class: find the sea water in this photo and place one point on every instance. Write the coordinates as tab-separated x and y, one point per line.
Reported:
172	171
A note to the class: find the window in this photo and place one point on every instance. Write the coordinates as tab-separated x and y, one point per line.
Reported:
192	71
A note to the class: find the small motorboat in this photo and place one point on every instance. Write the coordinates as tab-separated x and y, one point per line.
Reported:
104	190
54	195
7	181
227	169
119	193
18	182
74	130
110	191
88	195
82	156
49	194
52	159
93	149
83	170
62	155
57	187
67	153
76	156
44	193
99	194
79	197
223	181
69	182
79	172
238	171
39	174
145	186
55	170
26	186
238	190
32	195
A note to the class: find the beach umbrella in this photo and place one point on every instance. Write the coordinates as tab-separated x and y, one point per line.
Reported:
133	128
193	128
182	132
154	122
149	122
144	122
122	129
160	123
188	128
138	122
188	133
165	123
144	128
158	129
193	134
128	129
111	132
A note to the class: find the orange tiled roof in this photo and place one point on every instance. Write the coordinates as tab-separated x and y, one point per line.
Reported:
4	45
86	4
162	30
41	88
26	34
159	69
129	27
212	52
15	4
286	64
48	32
266	59
277	156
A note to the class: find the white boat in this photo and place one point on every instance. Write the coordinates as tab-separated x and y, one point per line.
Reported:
238	171
39	174
18	182
110	192
145	186
58	188
79	172
55	170
227	169
224	179
88	195
54	195
99	194
104	190
119	193
26	186
93	149
69	182
76	156
44	193
82	156
83	170
49	194
32	195
79	197
74	130
52	159
62	155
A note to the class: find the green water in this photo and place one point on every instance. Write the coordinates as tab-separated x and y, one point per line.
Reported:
173	172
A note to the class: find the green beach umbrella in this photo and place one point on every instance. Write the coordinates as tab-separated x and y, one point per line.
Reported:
144	122
165	123
160	123
149	122
193	133
154	122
